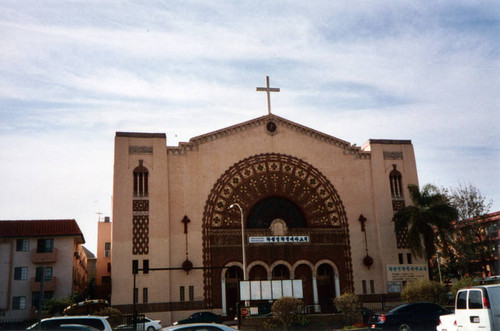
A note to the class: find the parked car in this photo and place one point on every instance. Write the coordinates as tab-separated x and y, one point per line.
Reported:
447	322
145	323
412	316
478	308
86	307
56	323
199	327
201	317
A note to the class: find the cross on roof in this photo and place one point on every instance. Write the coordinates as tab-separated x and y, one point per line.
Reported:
268	90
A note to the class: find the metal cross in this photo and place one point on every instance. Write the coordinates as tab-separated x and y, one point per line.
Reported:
268	90
185	220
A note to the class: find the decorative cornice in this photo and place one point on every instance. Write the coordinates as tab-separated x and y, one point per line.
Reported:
193	143
140	135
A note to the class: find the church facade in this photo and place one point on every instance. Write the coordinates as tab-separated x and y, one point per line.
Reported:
314	208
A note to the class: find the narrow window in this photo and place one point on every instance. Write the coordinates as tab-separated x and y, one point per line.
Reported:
400	256
136	295
408	256
140	180
19	303
182	294
145	295
22	245
364	287
21	273
372	286
107	250
191	293
109	267
395	180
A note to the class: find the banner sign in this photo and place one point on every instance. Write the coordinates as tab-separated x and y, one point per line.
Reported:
278	239
406	272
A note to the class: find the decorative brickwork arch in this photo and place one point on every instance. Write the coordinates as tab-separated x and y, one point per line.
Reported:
273	175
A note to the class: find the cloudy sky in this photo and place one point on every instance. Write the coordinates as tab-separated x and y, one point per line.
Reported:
74	72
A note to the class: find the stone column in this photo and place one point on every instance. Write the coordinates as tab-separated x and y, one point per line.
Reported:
315	295
223	289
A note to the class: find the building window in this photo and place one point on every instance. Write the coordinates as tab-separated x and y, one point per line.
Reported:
365	291
395	179
400	256
372	286
145	295
106	280
191	293
21	273
107	250
47	272
109	267
408	256
45	245
19	303
140	180
22	245
182	294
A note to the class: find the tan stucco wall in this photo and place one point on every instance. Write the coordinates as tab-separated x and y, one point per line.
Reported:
181	180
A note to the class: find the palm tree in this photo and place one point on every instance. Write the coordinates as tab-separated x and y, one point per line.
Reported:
431	214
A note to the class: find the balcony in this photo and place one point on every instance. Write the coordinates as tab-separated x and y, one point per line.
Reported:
44	257
48	285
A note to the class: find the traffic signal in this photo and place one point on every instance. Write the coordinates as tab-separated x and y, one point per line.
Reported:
135	267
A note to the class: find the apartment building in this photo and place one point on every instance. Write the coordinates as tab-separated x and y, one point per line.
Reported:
39	257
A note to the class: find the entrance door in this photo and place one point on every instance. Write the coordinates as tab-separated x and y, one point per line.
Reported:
233	276
326	289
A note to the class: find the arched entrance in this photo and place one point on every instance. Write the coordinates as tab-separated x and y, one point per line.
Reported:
285	200
326	287
304	272
233	276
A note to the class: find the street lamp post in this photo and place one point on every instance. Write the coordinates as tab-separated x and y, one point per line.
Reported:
242	240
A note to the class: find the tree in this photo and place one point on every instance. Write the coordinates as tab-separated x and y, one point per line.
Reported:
430	215
287	310
470	243
468	201
349	304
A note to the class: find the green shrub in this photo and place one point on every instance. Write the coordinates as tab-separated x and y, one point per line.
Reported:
287	311
424	291
349	304
462	283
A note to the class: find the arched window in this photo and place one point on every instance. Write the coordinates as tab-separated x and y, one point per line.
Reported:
395	179
281	272
140	180
271	208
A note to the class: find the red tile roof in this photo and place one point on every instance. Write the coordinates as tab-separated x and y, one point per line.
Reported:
40	228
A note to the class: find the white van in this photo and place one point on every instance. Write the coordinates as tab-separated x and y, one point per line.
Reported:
478	308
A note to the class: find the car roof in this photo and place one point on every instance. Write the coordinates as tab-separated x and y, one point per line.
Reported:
181	326
74	316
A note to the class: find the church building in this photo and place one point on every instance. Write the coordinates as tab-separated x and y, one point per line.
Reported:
264	200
